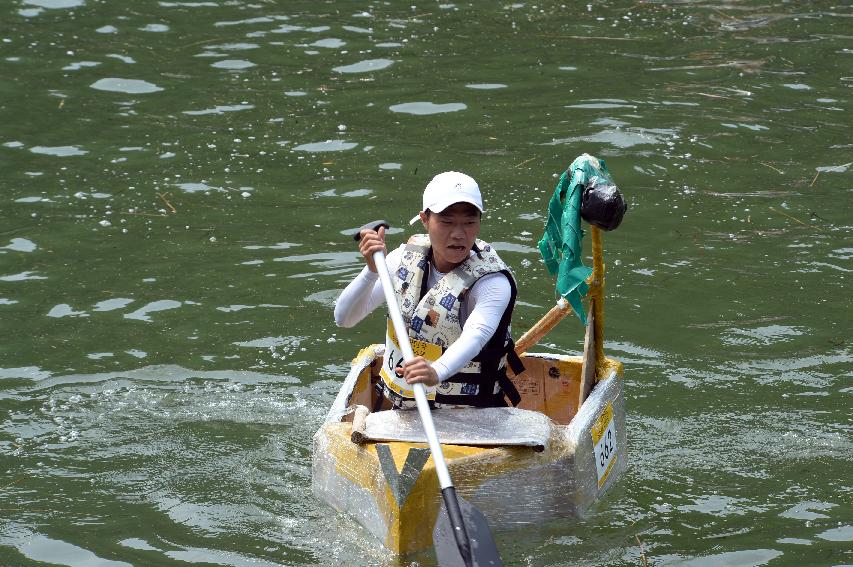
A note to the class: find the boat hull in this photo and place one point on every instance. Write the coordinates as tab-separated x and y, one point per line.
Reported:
391	488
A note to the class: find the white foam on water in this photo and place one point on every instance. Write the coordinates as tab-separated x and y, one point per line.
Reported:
21	245
742	558
38	547
141	314
761	335
287	28
136	543
234	46
65	310
233	308
326	259
277	246
23	276
233	64
189	4
366	66
55	4
486	86
59	151
197	187
165	373
156	28
326	298
601	105
621	138
794	541
258	20
327	146
99	355
218	557
330	43
128	86
678	103
753	127
842	533
427	108
220	109
27	372
122	58
805	511
719	506
513	247
80	65
842	253
112	304
271	342
834	168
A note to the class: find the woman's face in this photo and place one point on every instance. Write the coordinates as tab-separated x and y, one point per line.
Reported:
452	233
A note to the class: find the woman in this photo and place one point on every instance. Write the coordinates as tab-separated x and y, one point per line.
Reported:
456	297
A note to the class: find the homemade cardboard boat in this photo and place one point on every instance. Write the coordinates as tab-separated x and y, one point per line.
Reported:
553	456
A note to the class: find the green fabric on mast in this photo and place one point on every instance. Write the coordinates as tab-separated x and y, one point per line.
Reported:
561	245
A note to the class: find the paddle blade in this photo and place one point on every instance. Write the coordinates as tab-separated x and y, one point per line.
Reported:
484	552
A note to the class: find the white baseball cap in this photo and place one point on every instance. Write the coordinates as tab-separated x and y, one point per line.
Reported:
449	188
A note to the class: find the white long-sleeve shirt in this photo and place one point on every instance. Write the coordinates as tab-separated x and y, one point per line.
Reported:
480	312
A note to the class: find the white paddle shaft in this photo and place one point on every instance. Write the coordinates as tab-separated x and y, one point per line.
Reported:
420	392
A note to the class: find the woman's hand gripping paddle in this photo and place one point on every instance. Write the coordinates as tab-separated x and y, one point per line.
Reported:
471	543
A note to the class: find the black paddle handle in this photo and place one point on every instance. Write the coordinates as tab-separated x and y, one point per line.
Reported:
375	225
451	504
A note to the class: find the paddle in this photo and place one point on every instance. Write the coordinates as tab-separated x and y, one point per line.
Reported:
472	543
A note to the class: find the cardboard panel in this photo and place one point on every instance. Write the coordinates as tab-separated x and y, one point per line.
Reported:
364	391
529	384
561	380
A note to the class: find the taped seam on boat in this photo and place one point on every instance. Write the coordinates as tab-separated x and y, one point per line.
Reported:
401	483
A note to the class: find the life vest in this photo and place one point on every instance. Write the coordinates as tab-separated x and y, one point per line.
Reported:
432	318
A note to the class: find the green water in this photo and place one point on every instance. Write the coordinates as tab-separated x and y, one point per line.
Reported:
176	184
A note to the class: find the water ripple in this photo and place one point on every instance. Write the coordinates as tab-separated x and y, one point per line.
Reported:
426	108
128	86
365	66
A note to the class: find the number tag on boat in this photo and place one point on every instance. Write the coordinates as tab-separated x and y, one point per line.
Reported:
393	358
604	444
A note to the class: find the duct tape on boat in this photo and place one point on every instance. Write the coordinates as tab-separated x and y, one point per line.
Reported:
604	444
